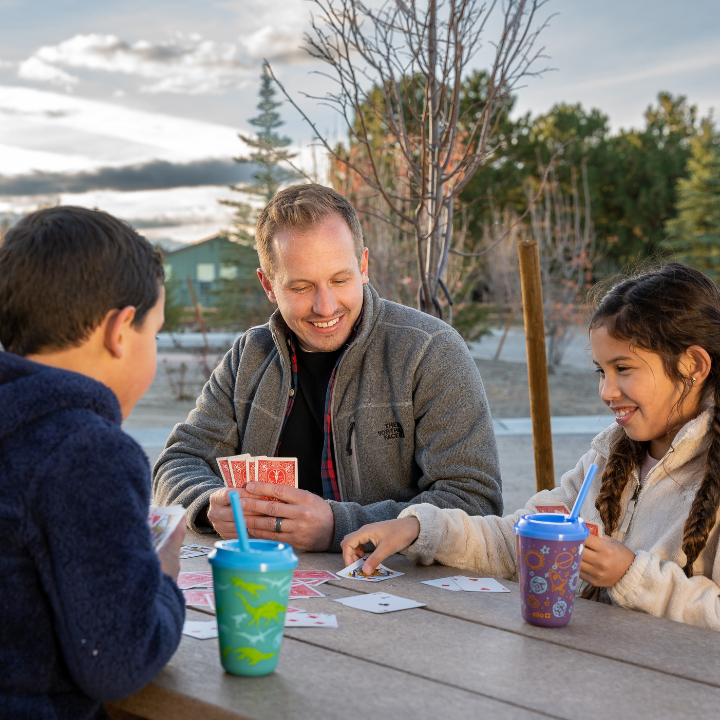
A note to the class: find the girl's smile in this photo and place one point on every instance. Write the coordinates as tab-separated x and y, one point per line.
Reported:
635	386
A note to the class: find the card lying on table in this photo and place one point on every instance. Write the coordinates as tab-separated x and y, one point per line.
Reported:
301	619
379	602
200	598
188	551
201	579
444	583
201	629
478	584
162	521
355	572
307	575
301	590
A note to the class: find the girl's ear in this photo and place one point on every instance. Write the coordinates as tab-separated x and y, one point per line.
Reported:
696	364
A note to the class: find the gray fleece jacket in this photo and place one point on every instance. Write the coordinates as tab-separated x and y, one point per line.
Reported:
410	420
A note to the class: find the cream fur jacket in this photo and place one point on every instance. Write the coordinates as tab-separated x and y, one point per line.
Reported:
655	582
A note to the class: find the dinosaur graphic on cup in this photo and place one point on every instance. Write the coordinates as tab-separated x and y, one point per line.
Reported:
252	655
269	611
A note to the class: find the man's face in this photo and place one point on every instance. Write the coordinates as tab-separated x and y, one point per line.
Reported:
318	283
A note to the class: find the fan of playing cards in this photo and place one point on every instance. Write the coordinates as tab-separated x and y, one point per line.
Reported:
238	470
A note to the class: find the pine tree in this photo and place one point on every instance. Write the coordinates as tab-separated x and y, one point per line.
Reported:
695	232
241	301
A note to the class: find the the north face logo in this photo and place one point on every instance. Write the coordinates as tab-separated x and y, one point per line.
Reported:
391	431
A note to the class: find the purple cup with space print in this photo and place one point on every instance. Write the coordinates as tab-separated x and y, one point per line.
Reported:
549	553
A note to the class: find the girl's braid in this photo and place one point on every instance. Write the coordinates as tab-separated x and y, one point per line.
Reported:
707	499
626	455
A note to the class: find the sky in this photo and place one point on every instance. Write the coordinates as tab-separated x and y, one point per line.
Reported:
135	107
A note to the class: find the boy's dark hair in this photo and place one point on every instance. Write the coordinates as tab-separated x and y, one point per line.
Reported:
62	269
665	311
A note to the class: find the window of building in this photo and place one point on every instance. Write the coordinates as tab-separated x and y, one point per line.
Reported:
228	272
206	272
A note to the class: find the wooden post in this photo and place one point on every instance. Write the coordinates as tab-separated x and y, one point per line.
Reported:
537	364
198	313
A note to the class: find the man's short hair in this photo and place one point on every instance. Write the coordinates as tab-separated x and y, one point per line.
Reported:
299	207
62	269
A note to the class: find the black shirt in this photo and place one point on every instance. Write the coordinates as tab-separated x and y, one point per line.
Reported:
304	433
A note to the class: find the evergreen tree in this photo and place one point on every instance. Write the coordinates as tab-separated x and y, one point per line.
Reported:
696	229
241	301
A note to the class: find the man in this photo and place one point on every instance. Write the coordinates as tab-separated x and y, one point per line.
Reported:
381	404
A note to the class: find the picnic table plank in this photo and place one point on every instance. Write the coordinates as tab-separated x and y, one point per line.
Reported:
310	682
603	630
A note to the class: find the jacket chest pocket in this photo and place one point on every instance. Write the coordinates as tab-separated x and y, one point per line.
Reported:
351	450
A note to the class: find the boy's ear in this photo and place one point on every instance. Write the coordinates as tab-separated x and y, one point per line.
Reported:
117	325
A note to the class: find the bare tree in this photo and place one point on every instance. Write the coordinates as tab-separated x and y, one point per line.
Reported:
561	223
398	73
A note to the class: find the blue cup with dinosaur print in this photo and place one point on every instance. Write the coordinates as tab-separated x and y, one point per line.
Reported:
251	597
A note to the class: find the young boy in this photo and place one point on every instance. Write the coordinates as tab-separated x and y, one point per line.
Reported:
89	613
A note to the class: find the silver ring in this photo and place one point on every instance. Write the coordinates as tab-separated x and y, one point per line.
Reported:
278	525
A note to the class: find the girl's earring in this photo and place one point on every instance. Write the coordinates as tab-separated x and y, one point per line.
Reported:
693	380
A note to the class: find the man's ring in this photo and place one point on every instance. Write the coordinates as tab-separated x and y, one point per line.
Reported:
278	525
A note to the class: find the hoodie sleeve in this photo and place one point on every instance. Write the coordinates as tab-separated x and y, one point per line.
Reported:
483	544
117	616
660	587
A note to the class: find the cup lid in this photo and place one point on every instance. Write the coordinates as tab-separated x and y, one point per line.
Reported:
264	556
551	526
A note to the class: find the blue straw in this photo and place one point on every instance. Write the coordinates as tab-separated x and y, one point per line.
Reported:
583	492
239	521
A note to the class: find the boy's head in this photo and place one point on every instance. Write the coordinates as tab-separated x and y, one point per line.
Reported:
82	291
63	269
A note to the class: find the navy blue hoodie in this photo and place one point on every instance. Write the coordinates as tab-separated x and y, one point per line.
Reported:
87	615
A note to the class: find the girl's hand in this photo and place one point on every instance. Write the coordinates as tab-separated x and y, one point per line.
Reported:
605	561
388	537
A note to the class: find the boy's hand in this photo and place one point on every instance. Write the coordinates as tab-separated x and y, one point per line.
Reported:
169	553
308	522
605	561
388	537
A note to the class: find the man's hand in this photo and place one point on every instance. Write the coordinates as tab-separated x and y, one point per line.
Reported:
388	537
605	561
169	553
307	520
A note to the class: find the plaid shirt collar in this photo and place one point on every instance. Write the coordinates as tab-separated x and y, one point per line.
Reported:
327	466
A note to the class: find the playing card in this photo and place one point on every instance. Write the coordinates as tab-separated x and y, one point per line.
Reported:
445	583
188	551
310	620
201	629
314	582
301	590
355	572
162	521
558	508
280	471
238	470
293	609
200	598
307	575
379	602
478	584
224	466
202	579
561	508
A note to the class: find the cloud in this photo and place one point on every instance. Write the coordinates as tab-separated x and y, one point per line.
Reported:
275	42
186	64
156	175
36	69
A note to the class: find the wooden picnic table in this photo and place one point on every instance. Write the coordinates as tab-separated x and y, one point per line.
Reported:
463	655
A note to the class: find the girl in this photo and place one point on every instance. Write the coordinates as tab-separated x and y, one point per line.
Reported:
655	341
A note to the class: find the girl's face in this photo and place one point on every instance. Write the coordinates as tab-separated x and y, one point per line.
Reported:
633	384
